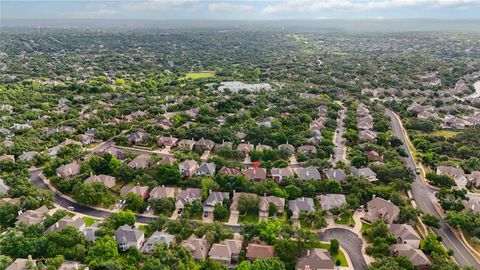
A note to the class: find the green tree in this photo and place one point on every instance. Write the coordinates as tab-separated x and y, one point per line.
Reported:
105	249
334	247
220	212
431	220
135	203
8	214
164	206
67	242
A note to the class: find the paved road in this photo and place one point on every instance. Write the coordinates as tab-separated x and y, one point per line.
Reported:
36	179
79	208
424	197
340	149
348	241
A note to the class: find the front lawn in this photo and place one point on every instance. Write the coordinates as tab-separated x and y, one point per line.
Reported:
248	218
346	219
365	226
89	221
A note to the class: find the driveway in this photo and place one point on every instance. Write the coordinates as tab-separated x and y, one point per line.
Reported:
350	242
208	218
233	220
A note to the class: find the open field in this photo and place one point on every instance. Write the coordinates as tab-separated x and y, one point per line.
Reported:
198	75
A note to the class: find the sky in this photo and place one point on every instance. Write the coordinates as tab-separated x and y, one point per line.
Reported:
240	10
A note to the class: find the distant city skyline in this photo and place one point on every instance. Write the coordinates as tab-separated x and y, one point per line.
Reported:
241	10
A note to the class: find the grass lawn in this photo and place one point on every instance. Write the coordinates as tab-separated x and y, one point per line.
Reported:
89	221
365	226
346	219
143	228
198	75
340	256
444	133
249	218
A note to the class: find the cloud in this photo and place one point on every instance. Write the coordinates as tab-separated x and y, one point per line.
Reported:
92	14
228	7
309	6
159	4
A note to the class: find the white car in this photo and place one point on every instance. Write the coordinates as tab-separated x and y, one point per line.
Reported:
71	208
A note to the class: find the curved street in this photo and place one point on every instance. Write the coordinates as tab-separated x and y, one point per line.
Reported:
424	197
350	242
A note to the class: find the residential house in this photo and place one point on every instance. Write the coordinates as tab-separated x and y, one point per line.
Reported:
85	139
330	201
262	147
67	221
162	192
373	156
457	173
213	199
71	265
415	256
137	137
245	148
27	156
199	247
336	174
278	174
107	180
364	172
207	169
188	167
265	202
255	173
22	264
89	232
405	234
474	177
301	204
4	188
226	251
128	237
307	149
140	162
157	238
229	171
186	144
288	147
188	195
259	251
379	208
7	158
308	173
141	191
315	259
167	160
167	141
112	150
69	170
205	145
472	205
32	217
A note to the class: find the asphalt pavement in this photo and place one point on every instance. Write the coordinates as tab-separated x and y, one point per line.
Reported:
350	242
424	197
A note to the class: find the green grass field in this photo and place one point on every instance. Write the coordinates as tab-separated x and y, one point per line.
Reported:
198	75
346	219
89	221
365	226
249	218
444	133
